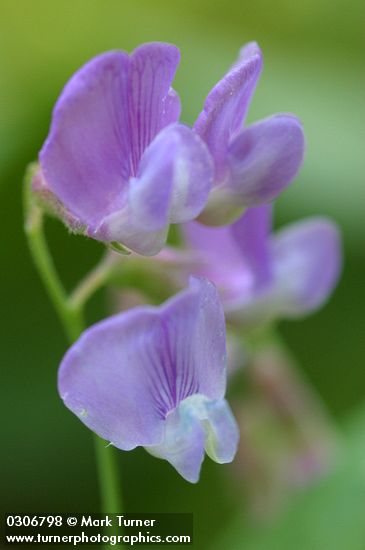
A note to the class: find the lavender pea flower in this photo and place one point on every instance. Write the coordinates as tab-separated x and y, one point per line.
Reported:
117	166
156	377
253	164
264	277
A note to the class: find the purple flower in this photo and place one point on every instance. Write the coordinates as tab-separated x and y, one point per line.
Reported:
117	164
254	164
155	377
262	277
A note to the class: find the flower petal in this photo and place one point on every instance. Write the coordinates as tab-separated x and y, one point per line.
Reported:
85	159
183	445
222	433
236	257
172	186
197	424
174	180
226	105
307	264
125	374
152	103
121	228
252	235
220	259
195	336
264	158
102	379
106	116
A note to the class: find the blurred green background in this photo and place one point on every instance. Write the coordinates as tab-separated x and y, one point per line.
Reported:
314	67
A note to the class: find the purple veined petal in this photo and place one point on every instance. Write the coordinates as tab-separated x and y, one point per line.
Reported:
264	158
221	259
101	380
172	186
252	235
226	105
110	110
198	424
197	336
172	108
153	105
125	374
85	159
307	263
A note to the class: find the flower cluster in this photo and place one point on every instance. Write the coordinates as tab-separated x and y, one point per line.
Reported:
119	167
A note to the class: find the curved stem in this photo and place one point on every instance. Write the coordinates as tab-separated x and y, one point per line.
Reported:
70	313
71	318
97	278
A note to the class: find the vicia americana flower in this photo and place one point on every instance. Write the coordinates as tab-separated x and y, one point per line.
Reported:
155	377
263	277
117	165
253	164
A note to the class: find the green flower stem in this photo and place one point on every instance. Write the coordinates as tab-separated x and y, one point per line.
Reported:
70	313
71	318
97	278
108	476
